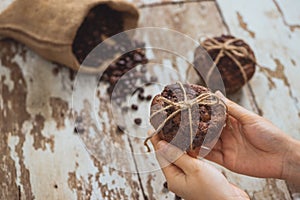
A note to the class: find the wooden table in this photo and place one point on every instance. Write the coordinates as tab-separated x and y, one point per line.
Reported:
42	157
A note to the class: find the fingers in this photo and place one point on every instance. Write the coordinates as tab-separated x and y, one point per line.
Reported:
154	140
164	163
236	110
170	171
174	155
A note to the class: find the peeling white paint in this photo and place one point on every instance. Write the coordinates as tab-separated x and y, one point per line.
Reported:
12	142
273	40
290	10
4	4
5	72
49	168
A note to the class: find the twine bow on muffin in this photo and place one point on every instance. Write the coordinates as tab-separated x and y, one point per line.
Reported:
227	48
207	98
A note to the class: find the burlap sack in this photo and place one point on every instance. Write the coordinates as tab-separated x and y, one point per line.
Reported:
49	27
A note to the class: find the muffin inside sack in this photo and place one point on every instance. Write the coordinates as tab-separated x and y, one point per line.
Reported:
188	116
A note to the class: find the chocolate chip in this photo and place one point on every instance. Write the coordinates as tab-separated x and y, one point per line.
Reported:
79	125
101	22
141	96
166	185
120	129
138	121
79	129
121	62
116	70
141	90
134	107
149	97
125	65
137	57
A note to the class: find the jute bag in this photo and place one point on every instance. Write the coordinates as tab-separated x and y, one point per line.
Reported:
49	27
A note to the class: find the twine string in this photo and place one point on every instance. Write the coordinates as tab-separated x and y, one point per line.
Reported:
189	113
207	99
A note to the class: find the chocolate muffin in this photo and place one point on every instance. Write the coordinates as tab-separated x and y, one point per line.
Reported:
230	72
185	122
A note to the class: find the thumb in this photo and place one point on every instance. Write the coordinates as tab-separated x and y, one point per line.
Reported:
179	158
168	151
235	110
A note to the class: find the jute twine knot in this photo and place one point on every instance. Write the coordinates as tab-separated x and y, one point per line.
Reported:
227	48
207	99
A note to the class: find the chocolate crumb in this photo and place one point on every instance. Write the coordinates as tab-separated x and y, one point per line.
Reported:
120	129
79	127
166	185
149	97
134	107
141	90
138	121
141	96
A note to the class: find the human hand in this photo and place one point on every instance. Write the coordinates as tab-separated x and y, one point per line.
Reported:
252	145
191	178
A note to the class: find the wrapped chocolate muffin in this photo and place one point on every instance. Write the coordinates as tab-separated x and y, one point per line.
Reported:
234	61
188	116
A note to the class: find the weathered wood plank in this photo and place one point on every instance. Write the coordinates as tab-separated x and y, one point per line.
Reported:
42	158
289	11
154	3
274	38
275	47
4	4
38	137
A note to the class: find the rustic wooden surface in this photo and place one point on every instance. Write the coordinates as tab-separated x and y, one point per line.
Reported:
42	157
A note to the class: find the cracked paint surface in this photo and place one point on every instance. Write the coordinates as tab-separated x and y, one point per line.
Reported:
37	142
244	25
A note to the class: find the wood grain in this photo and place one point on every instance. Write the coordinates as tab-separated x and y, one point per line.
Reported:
42	157
38	142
